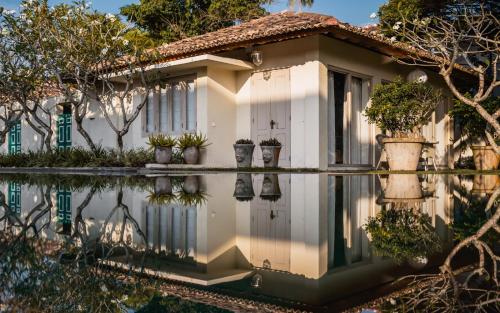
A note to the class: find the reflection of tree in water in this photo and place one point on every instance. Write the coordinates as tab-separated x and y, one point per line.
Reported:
471	288
65	276
402	233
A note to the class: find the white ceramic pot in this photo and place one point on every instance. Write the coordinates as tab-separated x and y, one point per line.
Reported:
403	154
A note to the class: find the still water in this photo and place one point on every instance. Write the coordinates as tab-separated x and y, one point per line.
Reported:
307	240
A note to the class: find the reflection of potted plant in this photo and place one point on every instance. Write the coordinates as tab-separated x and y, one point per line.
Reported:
485	184
402	235
473	125
191	199
163	185
270	152
190	145
191	184
243	152
402	108
243	187
402	187
162	146
270	188
161	198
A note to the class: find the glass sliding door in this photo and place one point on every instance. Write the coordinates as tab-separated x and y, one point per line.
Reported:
336	102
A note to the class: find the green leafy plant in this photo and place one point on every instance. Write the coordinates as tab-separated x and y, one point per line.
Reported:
161	140
192	140
402	234
244	142
273	142
161	199
402	107
191	199
470	121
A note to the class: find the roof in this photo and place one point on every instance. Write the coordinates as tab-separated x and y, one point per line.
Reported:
273	28
284	26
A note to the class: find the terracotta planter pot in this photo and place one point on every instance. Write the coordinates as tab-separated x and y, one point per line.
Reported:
403	154
270	188
191	155
402	187
243	187
163	186
191	184
163	155
271	155
485	158
485	184
243	154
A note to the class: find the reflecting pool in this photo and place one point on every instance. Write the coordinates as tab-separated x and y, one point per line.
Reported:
308	240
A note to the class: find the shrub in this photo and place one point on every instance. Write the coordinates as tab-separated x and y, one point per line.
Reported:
161	140
192	140
402	107
273	142
77	157
402	234
244	142
471	122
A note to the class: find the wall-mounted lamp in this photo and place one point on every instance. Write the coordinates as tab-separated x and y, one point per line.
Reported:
257	57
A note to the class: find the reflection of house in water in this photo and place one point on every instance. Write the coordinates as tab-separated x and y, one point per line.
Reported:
305	234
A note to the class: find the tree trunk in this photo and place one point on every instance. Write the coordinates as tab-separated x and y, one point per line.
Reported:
40	132
85	135
119	139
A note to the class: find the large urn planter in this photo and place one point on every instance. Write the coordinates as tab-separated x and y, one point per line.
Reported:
271	149
191	155
243	187
243	152
403	154
163	155
402	188
485	158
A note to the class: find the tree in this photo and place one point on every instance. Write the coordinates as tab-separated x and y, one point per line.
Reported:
90	61
465	40
300	3
23	77
391	12
171	20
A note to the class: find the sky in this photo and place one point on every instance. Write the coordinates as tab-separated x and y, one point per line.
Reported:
356	12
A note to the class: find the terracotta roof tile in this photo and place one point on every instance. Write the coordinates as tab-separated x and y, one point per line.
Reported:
275	26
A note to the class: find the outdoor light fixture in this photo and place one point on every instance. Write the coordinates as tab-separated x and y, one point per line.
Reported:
256	56
256	281
418	76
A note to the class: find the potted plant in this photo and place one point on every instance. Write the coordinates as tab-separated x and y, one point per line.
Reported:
401	108
243	152
474	126
403	187
163	185
162	146
270	152
190	145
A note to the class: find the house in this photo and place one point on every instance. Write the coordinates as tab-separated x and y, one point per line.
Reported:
302	78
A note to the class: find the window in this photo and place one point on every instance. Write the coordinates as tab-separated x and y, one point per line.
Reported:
171	108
